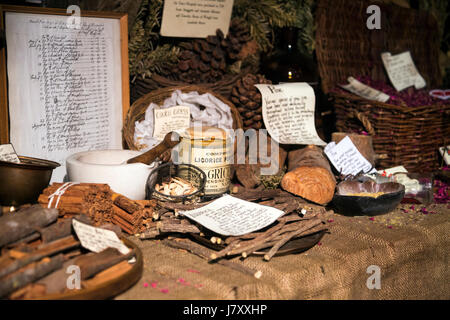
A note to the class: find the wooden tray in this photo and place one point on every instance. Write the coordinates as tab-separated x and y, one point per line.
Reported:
107	289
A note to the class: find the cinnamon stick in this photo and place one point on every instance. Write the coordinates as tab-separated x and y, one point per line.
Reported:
132	219
126	204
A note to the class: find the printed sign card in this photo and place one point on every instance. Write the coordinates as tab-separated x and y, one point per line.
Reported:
365	91
288	113
195	18
346	158
230	216
402	71
170	119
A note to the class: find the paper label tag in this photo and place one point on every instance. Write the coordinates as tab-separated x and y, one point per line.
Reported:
97	239
230	216
445	154
402	71
288	113
170	119
195	18
346	158
365	91
7	153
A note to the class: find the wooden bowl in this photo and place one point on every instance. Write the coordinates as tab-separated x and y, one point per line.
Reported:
367	206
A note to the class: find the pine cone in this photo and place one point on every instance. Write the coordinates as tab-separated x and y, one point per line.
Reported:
201	60
206	60
238	36
248	101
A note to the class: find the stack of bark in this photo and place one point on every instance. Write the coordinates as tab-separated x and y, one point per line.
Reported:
99	203
129	214
94	200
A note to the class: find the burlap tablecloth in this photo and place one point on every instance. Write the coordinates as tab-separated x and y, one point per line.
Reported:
410	248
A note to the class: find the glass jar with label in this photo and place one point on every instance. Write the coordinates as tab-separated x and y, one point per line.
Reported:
210	149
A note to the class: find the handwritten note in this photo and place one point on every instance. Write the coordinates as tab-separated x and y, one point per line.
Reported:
170	119
402	71
63	97
97	239
195	18
346	158
365	91
7	153
230	216
288	113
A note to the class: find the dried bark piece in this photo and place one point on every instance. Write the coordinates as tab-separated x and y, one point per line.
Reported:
309	175
16	226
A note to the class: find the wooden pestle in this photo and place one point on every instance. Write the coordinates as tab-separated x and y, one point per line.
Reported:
150	156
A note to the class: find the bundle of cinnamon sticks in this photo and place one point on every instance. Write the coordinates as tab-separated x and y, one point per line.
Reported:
98	202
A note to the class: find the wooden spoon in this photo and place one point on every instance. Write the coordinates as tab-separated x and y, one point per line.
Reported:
170	140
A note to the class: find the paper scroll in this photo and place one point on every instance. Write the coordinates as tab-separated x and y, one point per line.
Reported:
288	113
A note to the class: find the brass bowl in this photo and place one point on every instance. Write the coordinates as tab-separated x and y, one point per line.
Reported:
22	183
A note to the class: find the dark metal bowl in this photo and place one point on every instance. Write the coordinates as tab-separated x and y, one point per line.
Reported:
22	183
367	206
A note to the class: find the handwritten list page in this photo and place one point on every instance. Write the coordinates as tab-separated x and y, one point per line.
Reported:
65	93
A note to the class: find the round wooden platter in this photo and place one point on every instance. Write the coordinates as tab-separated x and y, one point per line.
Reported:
109	288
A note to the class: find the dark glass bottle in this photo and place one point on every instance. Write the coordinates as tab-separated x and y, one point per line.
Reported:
288	64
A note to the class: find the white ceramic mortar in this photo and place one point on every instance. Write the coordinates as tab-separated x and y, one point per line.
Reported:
109	166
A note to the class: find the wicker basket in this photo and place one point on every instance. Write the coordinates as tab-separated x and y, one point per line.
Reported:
138	108
141	87
346	47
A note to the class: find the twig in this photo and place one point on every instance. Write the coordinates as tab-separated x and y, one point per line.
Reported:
259	242
305	230
204	253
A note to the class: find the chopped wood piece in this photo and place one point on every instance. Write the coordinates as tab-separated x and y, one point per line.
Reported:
91	264
43	251
16	226
61	229
107	275
29	274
